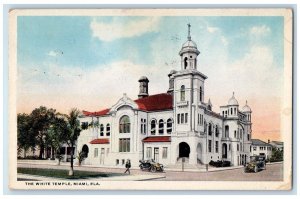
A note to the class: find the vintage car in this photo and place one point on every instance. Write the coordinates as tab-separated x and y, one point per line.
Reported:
256	163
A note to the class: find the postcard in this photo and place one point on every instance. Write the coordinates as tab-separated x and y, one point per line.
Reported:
150	99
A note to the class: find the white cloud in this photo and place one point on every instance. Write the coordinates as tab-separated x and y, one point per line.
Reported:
212	29
260	30
224	41
52	53
116	29
254	76
89	89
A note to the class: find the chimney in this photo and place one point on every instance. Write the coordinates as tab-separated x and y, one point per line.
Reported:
143	87
171	81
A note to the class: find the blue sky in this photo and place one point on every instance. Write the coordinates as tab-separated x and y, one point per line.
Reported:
73	36
89	62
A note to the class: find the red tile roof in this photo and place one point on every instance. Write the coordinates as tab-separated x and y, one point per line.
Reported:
157	102
157	139
100	141
98	113
163	101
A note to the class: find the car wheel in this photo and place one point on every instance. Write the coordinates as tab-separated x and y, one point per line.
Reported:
255	169
153	169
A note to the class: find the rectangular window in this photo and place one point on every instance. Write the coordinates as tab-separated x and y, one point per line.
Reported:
209	146
248	137
237	147
178	118
217	146
117	161
165	153
123	161
142	128
186	118
234	134
124	145
182	118
148	153
95	152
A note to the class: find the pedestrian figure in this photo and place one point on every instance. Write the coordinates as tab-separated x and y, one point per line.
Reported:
127	165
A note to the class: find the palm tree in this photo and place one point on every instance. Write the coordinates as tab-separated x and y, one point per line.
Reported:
71	133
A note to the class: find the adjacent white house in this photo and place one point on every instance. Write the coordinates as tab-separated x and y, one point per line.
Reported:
260	147
168	127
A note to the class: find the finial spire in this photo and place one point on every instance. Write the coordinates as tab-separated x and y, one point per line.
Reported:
189	31
233	93
246	102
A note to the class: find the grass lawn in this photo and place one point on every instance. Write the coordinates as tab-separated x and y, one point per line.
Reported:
59	173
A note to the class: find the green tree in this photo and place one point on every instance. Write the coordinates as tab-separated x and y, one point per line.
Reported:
70	131
41	120
25	135
277	155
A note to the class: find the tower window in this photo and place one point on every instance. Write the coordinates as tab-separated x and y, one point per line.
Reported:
191	56
201	98
182	93
185	63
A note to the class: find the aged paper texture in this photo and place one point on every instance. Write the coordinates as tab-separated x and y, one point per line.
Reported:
164	99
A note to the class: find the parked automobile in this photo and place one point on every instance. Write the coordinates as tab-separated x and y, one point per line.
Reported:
151	165
256	164
155	166
145	165
220	163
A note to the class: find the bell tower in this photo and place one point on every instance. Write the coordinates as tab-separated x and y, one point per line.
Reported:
189	53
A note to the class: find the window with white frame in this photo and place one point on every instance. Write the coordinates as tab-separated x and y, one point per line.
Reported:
124	145
108	130
169	126
95	152
153	127
161	126
148	153
165	153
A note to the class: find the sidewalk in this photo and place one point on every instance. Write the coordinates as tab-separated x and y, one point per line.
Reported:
114	178
167	168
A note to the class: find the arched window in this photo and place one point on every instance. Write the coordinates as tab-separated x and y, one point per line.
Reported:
182	93
185	63
153	127
101	130
205	126
226	131
107	129
124	125
161	126
201	97
217	131
169	125
209	129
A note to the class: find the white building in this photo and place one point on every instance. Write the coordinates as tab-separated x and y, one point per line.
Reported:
169	126
260	147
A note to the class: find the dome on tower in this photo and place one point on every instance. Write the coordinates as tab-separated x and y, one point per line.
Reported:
246	108
232	101
143	78
189	45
